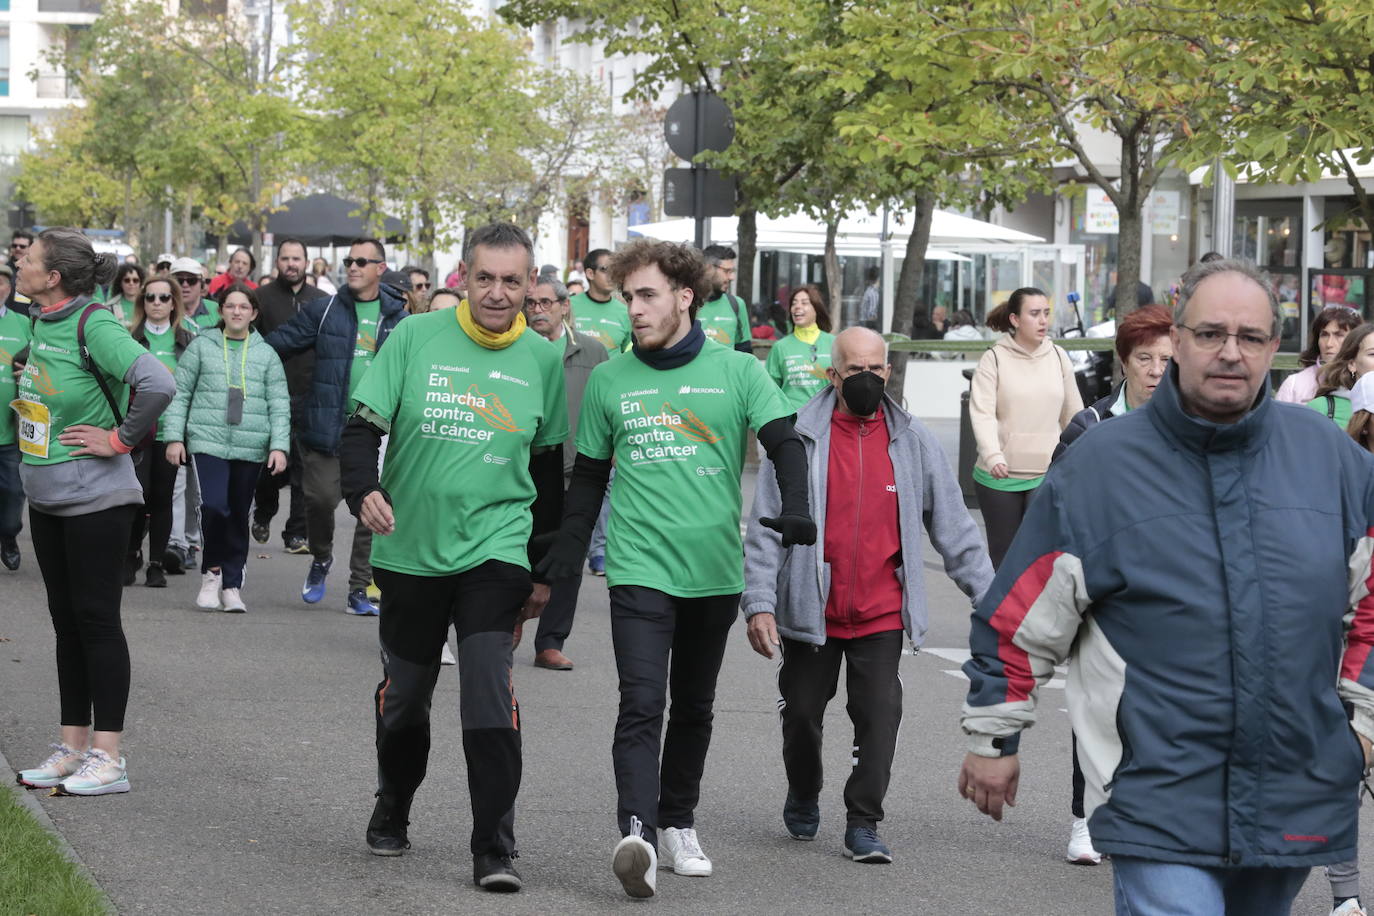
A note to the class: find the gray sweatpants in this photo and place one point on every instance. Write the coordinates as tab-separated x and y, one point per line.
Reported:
320	480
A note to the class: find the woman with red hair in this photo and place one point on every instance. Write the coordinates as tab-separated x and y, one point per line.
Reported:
1144	348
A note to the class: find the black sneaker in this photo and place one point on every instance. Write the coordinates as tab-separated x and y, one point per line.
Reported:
261	532
9	553
174	561
133	562
495	873
297	546
386	832
801	818
155	578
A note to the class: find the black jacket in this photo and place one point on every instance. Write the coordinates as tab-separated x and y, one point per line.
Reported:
1085	419
278	304
328	327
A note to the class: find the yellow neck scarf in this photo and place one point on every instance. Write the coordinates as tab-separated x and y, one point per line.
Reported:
481	335
808	335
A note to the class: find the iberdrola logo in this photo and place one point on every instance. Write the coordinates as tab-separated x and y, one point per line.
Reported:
490	408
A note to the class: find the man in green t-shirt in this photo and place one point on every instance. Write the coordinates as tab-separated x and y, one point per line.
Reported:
474	405
345	332
597	312
672	417
14	336
724	317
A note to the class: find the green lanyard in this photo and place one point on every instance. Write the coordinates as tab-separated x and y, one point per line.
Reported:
243	367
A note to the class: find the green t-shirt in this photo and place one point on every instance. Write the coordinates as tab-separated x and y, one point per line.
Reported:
675	435
798	368
211	316
462	421
718	320
14	336
1338	408
608	322
1007	484
164	347
365	346
123	310
55	392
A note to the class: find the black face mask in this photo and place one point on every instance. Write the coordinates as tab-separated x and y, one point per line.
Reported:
862	392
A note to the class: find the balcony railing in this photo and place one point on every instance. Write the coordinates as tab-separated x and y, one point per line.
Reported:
69	6
57	86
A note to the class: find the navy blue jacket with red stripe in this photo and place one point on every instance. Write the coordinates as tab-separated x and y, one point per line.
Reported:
1211	585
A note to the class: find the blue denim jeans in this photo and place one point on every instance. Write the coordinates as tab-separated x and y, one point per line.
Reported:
1146	888
11	492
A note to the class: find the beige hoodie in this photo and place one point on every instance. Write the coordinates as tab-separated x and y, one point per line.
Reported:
1021	401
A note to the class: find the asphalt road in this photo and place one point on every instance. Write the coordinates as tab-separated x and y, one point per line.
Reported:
250	753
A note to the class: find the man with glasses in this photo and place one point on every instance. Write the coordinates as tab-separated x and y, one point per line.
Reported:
343	332
598	312
279	302
19	243
419	280
189	275
724	318
546	310
1219	611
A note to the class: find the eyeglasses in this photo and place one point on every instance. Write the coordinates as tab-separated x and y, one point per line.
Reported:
1213	339
157	297
360	262
187	279
604	268
132	278
419	286
540	305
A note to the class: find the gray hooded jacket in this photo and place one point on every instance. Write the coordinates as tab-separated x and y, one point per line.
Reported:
793	584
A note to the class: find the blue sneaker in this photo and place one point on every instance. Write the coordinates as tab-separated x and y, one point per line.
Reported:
801	818
312	592
862	845
359	604
597	565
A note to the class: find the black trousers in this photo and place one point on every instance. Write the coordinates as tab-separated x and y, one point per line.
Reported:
481	604
82	561
555	623
807	680
226	498
1079	783
1002	514
267	498
159	480
664	643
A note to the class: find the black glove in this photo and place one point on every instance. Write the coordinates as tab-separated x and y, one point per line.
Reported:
795	529
562	561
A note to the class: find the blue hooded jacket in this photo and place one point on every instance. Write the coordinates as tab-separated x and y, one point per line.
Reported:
329	326
1200	576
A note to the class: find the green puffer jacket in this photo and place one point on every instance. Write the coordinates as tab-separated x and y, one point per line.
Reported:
197	413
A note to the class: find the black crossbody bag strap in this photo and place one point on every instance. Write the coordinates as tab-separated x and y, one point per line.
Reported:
89	365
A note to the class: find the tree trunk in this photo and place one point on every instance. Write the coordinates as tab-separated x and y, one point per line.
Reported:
834	283
425	243
1131	225
909	314
748	249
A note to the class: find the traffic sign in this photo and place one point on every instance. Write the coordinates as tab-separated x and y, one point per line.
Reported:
697	122
718	193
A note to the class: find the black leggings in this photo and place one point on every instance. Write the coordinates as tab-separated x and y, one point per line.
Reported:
1002	514
481	604
82	561
159	479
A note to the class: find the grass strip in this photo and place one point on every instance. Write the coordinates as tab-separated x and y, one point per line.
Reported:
35	877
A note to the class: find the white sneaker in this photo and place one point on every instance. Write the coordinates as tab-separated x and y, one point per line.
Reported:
635	863
1081	850
1350	908
100	774
446	656
62	763
680	850
231	602
209	591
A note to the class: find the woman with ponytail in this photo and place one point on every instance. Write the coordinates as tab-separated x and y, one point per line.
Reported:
75	439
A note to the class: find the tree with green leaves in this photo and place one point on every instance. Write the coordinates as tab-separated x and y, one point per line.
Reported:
1135	70
56	177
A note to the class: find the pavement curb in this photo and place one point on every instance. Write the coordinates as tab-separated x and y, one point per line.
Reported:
27	801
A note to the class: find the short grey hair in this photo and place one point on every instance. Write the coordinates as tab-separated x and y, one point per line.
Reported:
835	345
1247	269
560	292
497	235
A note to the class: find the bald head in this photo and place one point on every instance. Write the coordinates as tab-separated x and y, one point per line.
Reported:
857	350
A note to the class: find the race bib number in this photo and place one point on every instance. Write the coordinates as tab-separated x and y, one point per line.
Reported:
32	422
